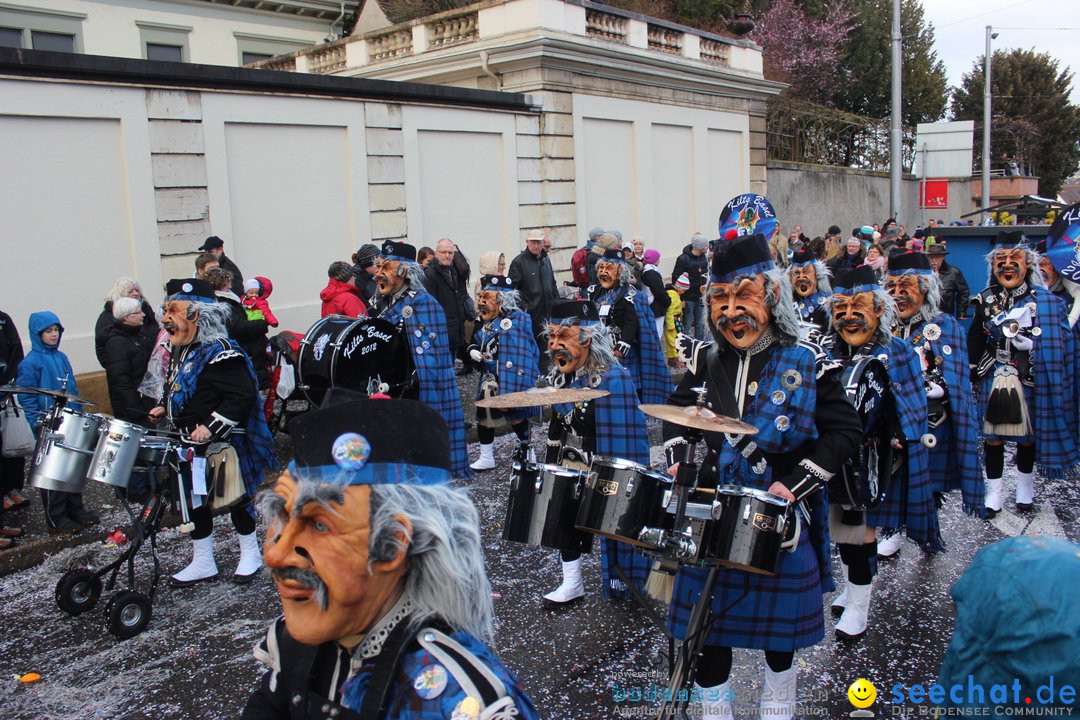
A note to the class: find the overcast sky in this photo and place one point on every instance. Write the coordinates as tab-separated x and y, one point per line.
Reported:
960	32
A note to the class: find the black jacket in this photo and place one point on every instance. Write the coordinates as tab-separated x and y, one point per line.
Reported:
127	353
442	283
697	267
11	349
955	293
105	321
535	281
237	278
250	335
653	280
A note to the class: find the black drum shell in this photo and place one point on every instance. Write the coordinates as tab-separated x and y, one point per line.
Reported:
345	352
544	516
747	530
622	498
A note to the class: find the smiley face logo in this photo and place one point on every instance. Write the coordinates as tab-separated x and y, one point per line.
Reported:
862	693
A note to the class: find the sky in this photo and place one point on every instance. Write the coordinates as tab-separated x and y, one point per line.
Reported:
1049	26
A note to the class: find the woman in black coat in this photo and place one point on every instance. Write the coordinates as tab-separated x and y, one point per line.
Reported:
128	345
123	287
249	334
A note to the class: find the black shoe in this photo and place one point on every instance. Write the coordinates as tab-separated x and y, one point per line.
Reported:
1025	507
64	526
84	517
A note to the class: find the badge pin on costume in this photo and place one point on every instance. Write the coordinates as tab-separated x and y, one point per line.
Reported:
779	397
783	423
791	379
351	451
467	709
406	312
751	389
932	331
506	324
430	683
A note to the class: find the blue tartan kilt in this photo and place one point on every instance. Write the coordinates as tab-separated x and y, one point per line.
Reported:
782	612
943	478
985	386
893	510
635	565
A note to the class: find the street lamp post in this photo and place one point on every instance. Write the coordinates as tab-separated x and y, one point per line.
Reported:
896	167
990	35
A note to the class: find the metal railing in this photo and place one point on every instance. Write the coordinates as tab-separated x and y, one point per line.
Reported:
798	131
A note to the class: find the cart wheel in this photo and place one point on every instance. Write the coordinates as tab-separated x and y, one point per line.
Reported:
78	591
128	614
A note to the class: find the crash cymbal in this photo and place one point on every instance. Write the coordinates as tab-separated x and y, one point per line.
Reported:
540	397
699	418
57	394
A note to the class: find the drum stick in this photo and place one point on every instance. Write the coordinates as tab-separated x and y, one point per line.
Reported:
705	491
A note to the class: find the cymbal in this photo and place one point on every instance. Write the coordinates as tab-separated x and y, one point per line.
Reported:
699	418
540	397
57	394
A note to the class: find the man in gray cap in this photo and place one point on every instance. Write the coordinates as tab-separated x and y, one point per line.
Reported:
695	264
364	270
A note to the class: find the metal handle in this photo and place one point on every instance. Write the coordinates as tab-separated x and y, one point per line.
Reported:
84	451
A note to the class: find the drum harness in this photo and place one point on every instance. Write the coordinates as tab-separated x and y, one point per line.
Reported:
937	408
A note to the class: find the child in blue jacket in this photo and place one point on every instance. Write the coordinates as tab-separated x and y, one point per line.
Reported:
47	368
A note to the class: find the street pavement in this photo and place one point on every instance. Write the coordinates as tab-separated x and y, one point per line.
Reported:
195	661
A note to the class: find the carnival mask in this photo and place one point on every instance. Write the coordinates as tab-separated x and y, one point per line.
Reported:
387	280
1010	266
607	273
1049	273
176	322
487	304
566	348
739	310
318	557
804	279
907	293
855	318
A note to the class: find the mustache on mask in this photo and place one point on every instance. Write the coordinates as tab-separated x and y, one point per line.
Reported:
855	323
308	579
560	355
170	326
724	321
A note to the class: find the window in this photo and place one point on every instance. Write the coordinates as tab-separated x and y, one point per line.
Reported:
10	37
34	29
168	53
246	58
164	42
56	42
253	48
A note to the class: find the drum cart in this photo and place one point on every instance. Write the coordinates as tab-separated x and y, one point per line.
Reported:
128	612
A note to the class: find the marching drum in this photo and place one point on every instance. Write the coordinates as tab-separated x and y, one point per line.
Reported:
864	479
748	529
368	355
153	452
543	505
64	448
622	498
116	452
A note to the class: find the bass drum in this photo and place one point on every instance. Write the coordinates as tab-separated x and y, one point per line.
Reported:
865	477
367	355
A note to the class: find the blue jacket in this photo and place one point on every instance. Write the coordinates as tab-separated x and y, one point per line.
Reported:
44	367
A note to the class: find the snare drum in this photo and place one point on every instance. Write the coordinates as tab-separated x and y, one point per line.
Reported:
153	452
748	529
63	454
543	505
114	458
622	498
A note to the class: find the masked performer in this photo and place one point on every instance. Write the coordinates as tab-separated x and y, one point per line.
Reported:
504	350
378	561
403	301
810	284
211	397
758	370
939	340
862	314
626	311
1063	290
1018	349
581	351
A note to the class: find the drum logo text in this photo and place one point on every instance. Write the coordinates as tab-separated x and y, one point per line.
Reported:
607	487
764	522
320	346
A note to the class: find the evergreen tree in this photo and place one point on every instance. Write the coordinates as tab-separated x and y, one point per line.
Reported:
864	85
1033	123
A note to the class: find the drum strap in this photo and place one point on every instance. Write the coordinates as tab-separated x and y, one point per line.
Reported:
728	406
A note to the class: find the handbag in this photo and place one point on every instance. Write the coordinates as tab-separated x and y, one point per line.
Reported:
18	437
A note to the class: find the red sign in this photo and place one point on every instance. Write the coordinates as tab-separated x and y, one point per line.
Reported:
934	193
